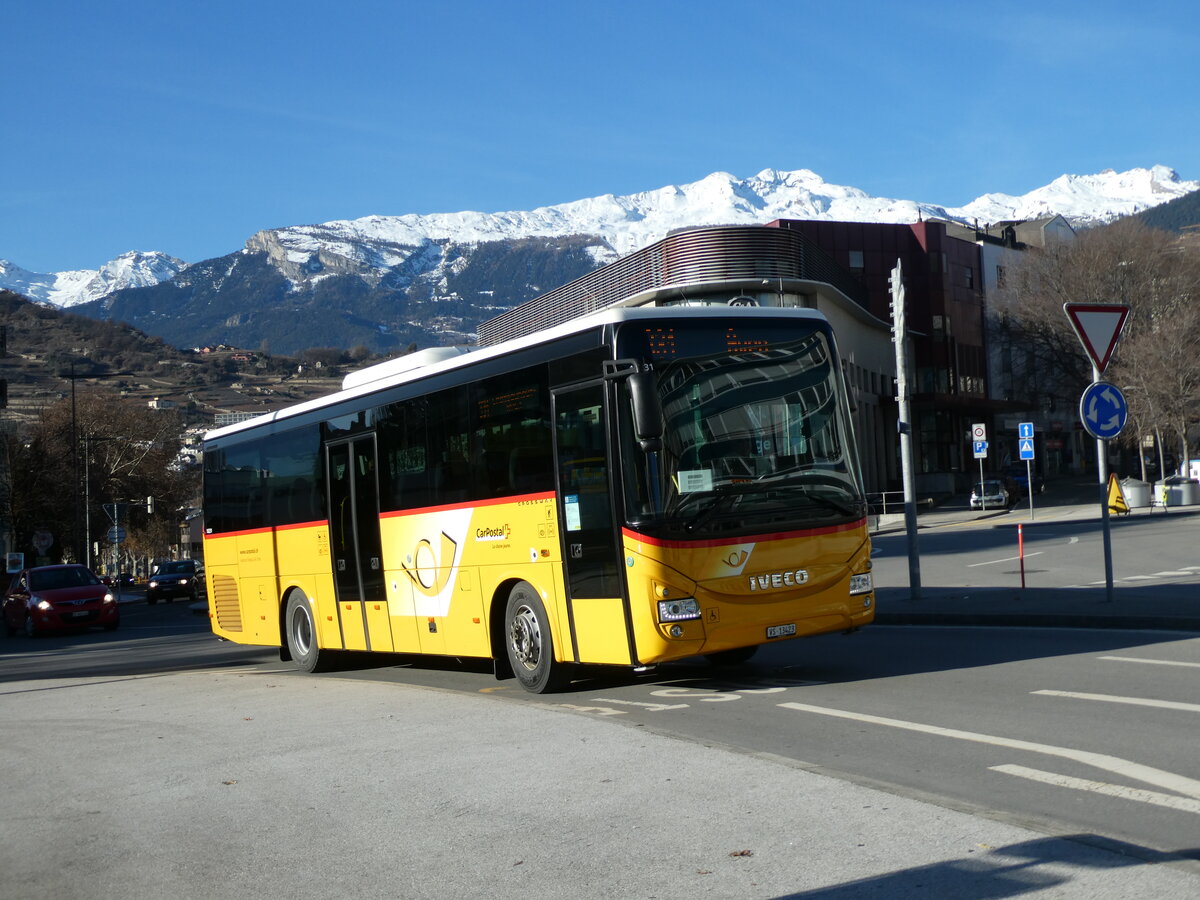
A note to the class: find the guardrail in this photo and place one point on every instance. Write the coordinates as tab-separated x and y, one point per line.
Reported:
880	504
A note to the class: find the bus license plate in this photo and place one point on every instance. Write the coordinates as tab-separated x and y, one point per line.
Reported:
774	631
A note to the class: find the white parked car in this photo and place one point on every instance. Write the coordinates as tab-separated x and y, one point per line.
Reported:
990	494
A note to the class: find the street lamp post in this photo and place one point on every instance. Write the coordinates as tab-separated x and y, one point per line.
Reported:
83	495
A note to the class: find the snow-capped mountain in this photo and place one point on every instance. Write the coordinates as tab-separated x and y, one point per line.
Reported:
64	289
631	222
388	282
376	248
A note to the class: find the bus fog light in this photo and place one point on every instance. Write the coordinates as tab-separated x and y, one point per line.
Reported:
678	610
676	631
860	584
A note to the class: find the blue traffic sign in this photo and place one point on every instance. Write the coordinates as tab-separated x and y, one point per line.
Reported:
1026	447
1103	410
980	448
1025	430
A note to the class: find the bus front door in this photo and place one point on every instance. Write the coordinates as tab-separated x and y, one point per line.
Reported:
597	613
357	553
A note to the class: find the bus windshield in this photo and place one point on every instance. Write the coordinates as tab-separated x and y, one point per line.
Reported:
756	436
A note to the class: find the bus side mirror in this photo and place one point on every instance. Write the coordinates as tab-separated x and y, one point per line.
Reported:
647	410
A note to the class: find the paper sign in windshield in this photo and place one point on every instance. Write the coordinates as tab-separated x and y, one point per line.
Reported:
692	480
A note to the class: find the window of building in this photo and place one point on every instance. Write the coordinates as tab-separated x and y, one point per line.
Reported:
857	261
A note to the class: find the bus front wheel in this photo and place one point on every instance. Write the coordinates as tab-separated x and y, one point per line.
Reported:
301	633
529	643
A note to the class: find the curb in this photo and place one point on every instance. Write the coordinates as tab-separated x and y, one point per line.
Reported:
1045	620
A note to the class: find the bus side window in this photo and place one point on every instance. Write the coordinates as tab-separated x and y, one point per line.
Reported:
529	469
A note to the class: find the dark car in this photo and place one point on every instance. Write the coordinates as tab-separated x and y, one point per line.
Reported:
58	598
178	578
1019	480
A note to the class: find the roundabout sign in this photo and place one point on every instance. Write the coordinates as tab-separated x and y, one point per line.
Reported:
1103	410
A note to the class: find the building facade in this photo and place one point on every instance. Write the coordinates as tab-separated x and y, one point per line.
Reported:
946	314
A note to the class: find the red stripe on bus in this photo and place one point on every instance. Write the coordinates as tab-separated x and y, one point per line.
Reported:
425	510
745	539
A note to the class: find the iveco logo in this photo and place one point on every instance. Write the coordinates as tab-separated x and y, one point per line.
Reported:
775	580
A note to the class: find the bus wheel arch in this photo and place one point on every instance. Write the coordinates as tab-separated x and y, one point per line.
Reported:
496	627
528	641
300	633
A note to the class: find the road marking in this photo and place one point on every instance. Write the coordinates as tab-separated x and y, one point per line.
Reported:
1131	701
598	710
1006	559
1181	784
1153	662
1170	801
653	707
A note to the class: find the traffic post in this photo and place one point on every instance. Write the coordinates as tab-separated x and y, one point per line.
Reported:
1102	408
979	447
1025	448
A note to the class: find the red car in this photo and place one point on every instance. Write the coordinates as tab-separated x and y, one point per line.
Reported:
52	598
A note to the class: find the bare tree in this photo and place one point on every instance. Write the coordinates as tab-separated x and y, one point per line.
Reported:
101	449
1157	363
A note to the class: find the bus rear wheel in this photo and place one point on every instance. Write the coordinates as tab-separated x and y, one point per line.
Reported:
529	644
300	632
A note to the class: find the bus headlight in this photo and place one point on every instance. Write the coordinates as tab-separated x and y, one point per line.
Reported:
678	610
861	584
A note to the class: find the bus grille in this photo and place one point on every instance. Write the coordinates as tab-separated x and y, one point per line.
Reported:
226	605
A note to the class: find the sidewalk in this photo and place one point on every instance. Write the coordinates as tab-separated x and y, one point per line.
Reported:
1133	605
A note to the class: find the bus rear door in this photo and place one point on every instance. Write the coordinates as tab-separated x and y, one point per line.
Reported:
357	553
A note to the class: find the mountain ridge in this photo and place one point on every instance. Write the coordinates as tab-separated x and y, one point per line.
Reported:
386	282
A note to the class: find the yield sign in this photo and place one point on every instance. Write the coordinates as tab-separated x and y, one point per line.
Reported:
1098	327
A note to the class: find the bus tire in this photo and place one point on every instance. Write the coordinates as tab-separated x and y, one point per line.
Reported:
733	657
528	642
300	632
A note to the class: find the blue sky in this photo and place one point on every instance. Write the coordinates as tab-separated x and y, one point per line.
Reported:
186	127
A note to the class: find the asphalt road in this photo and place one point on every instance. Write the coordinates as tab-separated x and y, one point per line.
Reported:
968	732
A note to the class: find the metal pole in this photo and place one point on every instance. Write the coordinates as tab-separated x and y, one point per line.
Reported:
1102	474
1021	551
904	425
1029	485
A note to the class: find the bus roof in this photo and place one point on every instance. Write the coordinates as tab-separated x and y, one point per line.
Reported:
424	363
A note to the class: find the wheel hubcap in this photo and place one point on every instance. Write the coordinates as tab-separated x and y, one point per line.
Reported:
301	632
525	637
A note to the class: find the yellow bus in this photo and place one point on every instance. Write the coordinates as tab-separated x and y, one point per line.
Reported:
635	486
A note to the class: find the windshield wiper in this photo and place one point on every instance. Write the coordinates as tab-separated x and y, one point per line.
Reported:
849	507
724	494
733	490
